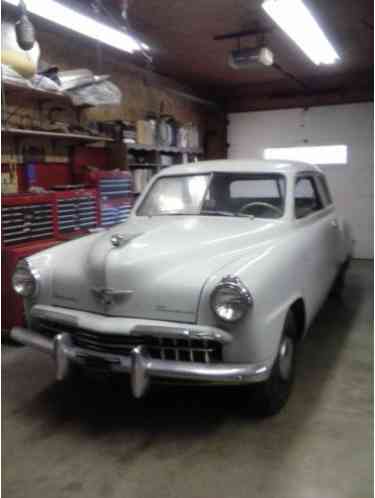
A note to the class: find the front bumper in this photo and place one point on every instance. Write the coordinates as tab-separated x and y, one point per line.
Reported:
138	364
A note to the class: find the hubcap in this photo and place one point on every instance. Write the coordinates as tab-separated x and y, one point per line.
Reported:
286	357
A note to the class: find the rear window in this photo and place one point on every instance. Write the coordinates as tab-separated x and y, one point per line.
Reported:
259	189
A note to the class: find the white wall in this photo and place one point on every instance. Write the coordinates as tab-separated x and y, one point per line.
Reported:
352	185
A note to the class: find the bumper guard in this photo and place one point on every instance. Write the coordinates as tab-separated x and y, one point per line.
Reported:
139	364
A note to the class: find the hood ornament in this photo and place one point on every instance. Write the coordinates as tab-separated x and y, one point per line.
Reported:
118	240
107	297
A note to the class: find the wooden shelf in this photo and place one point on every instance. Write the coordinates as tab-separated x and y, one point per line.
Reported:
29	92
35	93
160	148
52	134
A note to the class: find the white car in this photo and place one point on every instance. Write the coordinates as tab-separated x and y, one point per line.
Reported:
215	278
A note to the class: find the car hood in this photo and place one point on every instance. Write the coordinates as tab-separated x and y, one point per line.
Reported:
160	268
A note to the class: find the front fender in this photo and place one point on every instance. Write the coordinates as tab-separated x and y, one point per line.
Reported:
274	284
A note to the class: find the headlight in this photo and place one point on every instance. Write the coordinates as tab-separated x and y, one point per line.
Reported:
231	299
24	281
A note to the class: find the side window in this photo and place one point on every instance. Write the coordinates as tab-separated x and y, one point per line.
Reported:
324	190
306	197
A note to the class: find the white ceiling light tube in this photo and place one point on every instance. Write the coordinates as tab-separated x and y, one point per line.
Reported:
293	17
71	19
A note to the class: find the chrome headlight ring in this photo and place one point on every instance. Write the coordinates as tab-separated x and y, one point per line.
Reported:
25	280
231	299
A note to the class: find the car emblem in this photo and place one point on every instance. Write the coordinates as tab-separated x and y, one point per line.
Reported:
109	296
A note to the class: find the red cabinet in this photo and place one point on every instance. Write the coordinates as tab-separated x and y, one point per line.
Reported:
77	212
11	303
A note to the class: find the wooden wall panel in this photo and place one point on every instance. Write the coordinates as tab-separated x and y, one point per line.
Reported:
143	90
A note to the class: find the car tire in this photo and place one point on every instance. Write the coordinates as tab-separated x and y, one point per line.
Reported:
272	395
339	283
74	376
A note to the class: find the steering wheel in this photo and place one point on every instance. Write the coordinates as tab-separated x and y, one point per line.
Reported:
263	204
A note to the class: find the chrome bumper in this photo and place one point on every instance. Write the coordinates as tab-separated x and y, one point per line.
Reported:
139	365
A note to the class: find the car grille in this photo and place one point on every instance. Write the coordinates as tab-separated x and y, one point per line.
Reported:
162	348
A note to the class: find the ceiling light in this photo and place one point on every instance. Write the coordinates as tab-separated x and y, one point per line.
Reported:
296	20
71	19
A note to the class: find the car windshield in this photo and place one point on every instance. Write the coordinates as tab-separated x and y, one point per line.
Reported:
217	194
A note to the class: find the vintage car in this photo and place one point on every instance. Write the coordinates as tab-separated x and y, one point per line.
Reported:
214	279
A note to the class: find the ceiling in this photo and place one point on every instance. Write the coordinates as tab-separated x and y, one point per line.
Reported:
181	35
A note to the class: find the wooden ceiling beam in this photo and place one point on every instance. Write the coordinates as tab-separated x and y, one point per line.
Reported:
250	103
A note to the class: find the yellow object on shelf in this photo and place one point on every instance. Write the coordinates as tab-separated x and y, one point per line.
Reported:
145	132
9	180
20	62
24	62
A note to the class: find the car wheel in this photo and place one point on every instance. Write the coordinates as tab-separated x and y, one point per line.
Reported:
74	376
272	395
339	283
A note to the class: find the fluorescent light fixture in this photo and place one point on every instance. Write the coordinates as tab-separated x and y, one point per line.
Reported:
71	19
293	17
319	154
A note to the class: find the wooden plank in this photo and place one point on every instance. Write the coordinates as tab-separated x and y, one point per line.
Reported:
160	148
53	134
15	90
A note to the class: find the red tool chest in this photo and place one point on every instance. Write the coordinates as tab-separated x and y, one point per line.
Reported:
77	211
27	217
11	303
29	225
44	175
115	192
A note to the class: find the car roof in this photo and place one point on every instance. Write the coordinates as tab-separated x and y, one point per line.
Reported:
241	166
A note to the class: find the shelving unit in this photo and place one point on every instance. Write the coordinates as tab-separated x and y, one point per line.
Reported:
148	158
152	157
164	149
62	143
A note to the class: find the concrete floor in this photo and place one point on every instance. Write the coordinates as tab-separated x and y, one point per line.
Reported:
96	441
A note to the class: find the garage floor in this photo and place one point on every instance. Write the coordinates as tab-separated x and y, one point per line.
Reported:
96	441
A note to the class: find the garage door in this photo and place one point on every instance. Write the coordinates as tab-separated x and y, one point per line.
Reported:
250	134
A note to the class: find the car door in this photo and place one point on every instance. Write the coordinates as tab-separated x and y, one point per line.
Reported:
315	223
337	242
